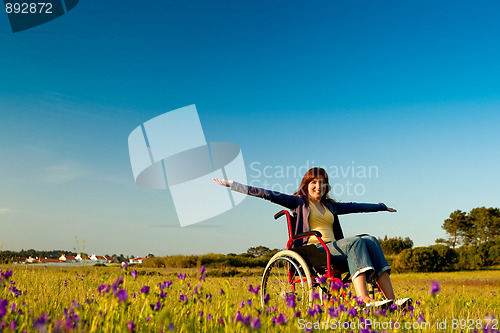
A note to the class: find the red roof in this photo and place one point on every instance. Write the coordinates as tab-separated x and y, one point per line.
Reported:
48	260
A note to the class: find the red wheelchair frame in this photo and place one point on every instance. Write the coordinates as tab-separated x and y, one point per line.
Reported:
303	265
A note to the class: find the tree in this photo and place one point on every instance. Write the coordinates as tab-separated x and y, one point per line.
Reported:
479	226
458	227
258	251
487	223
395	245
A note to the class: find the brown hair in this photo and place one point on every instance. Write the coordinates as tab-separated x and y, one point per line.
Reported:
311	174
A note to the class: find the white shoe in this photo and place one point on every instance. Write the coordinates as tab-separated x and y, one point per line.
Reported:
403	303
384	304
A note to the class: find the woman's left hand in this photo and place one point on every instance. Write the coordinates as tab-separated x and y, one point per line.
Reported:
392	210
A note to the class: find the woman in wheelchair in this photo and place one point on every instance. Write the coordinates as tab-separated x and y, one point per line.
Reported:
315	210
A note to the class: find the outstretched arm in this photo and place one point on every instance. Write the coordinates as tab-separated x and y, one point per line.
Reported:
285	200
354	207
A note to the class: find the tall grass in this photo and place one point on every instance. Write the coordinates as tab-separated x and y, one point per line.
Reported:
107	299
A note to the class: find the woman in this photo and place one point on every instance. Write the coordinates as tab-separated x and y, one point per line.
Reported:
315	210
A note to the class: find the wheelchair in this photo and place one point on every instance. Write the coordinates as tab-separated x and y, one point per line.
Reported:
301	270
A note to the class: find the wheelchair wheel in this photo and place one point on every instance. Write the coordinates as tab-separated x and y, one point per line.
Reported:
286	273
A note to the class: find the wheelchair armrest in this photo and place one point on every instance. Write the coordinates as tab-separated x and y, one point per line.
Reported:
307	234
279	214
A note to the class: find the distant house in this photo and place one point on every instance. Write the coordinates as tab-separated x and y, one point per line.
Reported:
68	259
47	260
113	260
98	259
137	260
31	260
19	260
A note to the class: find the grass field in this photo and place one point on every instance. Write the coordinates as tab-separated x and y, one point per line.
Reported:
107	299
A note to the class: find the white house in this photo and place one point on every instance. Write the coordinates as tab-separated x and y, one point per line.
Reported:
99	259
137	260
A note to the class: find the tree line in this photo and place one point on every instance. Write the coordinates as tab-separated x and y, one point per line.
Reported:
473	241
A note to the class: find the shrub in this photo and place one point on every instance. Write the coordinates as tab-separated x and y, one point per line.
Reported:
435	258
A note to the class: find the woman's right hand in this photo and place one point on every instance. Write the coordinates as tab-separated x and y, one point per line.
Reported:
223	182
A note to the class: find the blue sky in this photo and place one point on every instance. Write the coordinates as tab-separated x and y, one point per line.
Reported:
410	89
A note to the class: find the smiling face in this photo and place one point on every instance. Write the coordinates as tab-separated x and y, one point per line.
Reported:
317	187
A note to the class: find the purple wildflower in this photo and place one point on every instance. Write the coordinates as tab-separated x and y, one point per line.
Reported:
342	308
155	307
3	307
254	291
333	312
13	325
266	298
242	304
171	327
255	324
352	312
15	291
315	295
381	312
124	265
434	287
321	279
279	320
40	323
134	274
103	288
131	326
117	283
182	276
164	285
317	309
6	274
209	316
221	321
202	272
290	301
336	284
249	302
122	295
196	292
246	320
201	314
145	289
183	298
221	291
311	312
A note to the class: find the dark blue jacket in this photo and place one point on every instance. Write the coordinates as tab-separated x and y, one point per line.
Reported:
300	208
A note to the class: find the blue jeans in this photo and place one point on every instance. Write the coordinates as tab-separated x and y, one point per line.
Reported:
360	254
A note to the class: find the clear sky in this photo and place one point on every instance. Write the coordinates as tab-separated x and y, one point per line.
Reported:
407	90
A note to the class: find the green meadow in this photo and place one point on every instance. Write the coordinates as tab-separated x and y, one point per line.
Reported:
36	298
